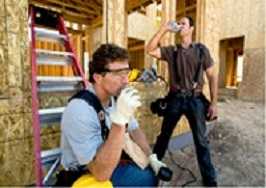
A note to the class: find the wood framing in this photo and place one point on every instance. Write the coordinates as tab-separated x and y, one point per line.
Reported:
87	12
115	22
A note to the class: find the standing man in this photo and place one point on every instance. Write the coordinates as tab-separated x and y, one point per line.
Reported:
185	91
86	146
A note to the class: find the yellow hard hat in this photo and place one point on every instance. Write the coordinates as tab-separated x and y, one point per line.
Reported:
133	75
88	181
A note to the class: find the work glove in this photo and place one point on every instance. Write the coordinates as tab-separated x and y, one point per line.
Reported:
127	103
155	163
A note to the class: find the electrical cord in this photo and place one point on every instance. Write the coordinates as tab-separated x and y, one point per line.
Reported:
194	178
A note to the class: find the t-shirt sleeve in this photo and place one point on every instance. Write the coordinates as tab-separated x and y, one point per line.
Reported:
207	59
167	53
82	130
132	125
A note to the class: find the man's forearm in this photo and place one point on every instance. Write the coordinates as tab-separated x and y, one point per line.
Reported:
140	139
109	154
213	84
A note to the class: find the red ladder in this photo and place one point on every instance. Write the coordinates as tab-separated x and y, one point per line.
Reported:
50	83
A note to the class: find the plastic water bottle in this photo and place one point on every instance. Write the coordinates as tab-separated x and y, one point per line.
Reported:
174	26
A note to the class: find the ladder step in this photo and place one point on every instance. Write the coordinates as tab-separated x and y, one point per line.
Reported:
53	53
49	156
59	84
51	110
44	59
59	88
50	115
44	33
59	78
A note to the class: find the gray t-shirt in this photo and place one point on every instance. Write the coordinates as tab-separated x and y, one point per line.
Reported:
81	132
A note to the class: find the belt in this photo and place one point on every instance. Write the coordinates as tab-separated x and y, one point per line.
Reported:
124	161
186	93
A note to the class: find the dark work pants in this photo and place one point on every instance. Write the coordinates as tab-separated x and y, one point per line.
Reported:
193	109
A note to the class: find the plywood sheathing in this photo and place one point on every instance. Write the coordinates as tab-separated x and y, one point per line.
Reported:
219	24
115	22
16	140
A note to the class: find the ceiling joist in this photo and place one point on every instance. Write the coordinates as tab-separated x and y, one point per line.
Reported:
88	12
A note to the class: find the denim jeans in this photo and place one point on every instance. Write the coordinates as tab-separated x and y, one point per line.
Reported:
130	174
193	109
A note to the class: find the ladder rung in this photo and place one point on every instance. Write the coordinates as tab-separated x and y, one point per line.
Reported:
43	59
53	53
49	34
51	110
58	88
58	79
51	155
50	115
51	118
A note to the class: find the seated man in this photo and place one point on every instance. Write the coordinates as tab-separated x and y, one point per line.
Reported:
86	146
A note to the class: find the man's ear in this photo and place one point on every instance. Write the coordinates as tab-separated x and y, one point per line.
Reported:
97	77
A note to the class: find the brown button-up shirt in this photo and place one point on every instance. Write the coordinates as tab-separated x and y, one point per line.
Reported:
182	72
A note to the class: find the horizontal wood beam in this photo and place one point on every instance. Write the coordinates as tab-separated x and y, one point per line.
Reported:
92	5
68	5
84	21
186	9
97	22
68	16
137	4
87	12
136	48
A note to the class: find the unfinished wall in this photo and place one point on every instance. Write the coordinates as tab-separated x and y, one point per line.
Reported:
16	144
115	20
15	111
140	26
149	123
227	19
143	27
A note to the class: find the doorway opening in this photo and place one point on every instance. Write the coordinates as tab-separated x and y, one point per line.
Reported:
231	63
136	53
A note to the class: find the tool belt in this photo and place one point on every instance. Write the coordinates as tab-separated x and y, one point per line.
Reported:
125	162
160	106
66	178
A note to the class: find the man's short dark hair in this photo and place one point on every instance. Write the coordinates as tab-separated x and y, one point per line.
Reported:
105	54
190	20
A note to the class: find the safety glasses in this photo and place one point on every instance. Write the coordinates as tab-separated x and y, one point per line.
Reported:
117	72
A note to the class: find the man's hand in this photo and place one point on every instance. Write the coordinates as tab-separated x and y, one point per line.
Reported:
155	163
127	103
212	111
166	26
